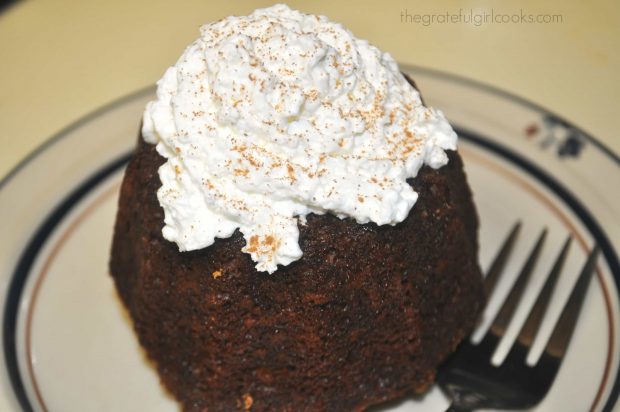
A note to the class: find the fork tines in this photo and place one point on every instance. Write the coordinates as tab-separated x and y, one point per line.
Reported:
469	377
560	337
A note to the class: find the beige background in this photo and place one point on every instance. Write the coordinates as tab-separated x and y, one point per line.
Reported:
60	60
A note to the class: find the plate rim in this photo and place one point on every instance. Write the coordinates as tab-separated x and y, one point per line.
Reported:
612	398
79	192
65	131
498	91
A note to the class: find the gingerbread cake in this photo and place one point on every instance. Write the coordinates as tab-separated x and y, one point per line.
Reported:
358	307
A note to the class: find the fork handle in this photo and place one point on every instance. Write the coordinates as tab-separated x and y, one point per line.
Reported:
455	408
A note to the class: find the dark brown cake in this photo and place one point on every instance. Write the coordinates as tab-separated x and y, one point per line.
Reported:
366	315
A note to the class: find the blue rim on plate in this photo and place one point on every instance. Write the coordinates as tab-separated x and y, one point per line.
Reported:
44	230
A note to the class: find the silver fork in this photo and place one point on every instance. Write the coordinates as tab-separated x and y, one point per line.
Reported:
473	382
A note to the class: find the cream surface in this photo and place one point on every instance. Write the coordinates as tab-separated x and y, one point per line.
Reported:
269	117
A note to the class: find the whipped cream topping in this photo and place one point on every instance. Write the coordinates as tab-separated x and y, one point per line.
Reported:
269	117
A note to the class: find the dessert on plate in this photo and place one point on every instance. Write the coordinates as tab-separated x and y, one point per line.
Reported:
295	231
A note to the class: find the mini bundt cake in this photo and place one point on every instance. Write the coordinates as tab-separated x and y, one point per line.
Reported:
355	310
365	316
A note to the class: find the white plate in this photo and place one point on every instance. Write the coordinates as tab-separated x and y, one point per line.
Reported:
68	345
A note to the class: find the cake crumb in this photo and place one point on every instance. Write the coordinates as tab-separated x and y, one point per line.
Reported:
216	274
247	401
